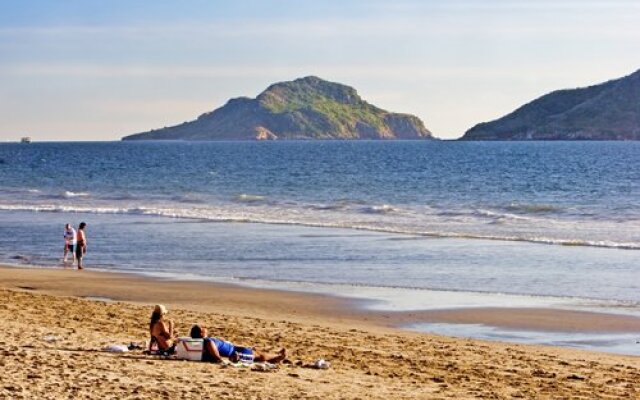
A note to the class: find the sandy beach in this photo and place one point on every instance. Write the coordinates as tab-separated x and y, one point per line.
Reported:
349	199
56	323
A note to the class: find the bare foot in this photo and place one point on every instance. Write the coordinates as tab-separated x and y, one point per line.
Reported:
282	354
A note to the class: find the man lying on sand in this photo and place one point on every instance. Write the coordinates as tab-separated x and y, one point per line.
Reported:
161	330
216	348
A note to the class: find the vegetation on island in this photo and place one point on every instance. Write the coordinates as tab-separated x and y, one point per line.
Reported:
306	108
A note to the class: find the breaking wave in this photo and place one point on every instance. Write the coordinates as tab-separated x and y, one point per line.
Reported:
249	198
67	194
284	218
381	209
533	208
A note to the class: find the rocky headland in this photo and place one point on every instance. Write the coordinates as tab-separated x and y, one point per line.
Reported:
608	111
306	108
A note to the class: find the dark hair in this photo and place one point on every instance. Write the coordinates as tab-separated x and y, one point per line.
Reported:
196	332
155	317
82	225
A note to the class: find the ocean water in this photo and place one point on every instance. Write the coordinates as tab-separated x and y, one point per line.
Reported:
399	225
584	194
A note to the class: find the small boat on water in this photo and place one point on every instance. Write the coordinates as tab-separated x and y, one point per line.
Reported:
25	139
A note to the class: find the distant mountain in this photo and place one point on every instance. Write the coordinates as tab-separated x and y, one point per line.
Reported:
306	108
608	111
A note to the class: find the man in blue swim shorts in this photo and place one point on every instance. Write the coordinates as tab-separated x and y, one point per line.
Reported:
215	348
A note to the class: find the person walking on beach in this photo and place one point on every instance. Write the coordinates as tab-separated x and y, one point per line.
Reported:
69	243
81	244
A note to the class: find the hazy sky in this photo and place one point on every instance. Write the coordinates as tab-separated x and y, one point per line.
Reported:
99	70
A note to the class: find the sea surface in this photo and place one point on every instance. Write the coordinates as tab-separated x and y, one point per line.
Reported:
400	225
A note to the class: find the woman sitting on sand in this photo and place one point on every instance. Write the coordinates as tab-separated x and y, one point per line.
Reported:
161	330
216	348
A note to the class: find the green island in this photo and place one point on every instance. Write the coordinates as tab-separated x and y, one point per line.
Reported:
304	109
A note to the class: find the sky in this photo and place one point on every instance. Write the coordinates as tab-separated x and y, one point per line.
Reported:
100	70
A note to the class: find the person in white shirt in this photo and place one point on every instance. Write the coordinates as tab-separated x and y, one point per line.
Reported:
69	242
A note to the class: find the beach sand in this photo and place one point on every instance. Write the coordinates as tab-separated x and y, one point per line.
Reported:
53	336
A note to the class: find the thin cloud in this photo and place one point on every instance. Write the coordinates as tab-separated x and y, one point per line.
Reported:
410	6
390	26
396	71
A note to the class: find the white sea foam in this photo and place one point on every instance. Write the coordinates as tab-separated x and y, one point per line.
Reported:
500	216
385	219
249	198
328	207
65	209
479	214
380	209
70	194
533	208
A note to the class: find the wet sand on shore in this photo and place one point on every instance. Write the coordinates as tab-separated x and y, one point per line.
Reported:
52	337
210	296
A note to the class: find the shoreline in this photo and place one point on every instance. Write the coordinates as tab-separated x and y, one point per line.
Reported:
239	299
54	325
